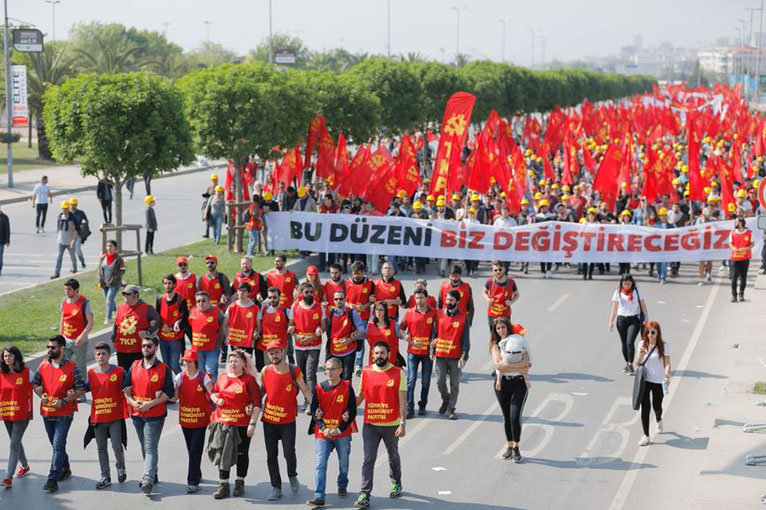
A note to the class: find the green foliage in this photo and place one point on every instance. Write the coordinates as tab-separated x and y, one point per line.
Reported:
439	83
282	42
337	60
209	54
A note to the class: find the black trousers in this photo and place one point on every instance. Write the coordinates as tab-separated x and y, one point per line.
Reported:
739	274
42	212
654	391
546	266
243	456
106	209
272	434
628	326
195	443
149	244
259	357
511	397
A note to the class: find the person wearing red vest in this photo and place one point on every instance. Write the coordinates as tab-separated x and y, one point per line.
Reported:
345	329
384	388
501	292
281	382
108	411
418	329
76	322
256	280
15	409
240	323
149	387
389	290
174	318
238	397
450	351
215	284
421	283
335	283
455	282
382	328
135	320
741	243
52	383
306	330
205	321
275	321
360	295
192	392
333	420
186	282
283	279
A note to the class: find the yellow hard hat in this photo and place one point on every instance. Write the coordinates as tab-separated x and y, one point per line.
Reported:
528	152
440	201
760	159
741	193
714	184
213	177
475	198
707	190
492	180
149	199
218	188
430	198
73	201
455	196
662	212
544	203
472	210
301	191
625	213
676	181
502	194
592	210
543	182
267	196
565	198
756	183
555	186
582	220
530	173
566	188
731	207
686	193
711	200
524	201
623	184
684	168
417	206
538	195
65	204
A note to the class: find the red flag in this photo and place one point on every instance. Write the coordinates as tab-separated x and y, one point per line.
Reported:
547	167
479	167
341	160
696	184
406	165
316	126
606	178
587	158
325	156
454	128
727	193
290	167
736	161
654	172
348	185
760	139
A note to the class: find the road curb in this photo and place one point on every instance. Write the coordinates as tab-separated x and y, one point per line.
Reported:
195	169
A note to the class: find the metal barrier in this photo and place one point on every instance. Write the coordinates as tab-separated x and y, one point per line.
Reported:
125	253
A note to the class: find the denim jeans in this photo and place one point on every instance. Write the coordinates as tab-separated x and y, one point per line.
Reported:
195	442
78	250
110	293
323	448
111	430
16	454
359	361
413	360
60	257
148	432
57	430
253	244
208	362
171	353
217	227
2	253
662	271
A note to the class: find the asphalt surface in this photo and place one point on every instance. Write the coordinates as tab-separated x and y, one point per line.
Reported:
580	437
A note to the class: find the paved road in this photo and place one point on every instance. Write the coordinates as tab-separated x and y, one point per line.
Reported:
31	257
580	436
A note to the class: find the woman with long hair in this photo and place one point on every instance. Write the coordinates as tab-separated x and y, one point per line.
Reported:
111	267
741	244
16	394
382	329
630	309
312	278
653	354
511	355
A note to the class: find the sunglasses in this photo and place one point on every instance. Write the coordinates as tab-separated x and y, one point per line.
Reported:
210	263
182	264
339	299
147	346
651	332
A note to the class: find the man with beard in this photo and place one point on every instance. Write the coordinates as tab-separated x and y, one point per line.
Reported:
307	330
450	350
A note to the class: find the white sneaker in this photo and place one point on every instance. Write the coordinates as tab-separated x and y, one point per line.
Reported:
644	441
701	283
709	277
660	428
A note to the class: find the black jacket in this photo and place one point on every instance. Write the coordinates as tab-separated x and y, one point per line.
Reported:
5	229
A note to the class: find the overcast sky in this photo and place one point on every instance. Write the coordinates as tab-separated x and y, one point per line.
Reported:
574	28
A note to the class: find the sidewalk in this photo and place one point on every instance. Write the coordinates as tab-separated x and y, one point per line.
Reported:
66	179
725	481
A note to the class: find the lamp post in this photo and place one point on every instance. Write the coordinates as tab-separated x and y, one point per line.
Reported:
271	46
502	48
457	36
388	29
53	15
758	59
532	32
207	30
543	42
8	98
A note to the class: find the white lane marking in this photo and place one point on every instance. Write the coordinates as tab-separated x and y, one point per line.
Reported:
451	448
444	493
660	302
548	429
579	394
438	468
630	476
762	363
558	302
587	457
383	459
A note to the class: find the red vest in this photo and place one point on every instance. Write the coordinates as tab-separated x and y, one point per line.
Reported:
253	280
430	301
129	321
281	404
419	325
273	328
73	317
204	326
341	327
242	324
15	396
286	285
233	391
108	399
187	288
212	286
330	288
193	402
741	242
499	294
146	383
388	290
56	383
170	314
359	294
449	334
465	293
333	404
388	335
306	323
381	393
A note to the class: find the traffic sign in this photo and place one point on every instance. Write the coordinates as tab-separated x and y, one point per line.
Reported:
762	222
27	40
762	193
284	57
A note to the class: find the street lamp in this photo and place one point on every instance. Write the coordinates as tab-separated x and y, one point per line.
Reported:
532	32
8	98
543	41
388	29
207	29
53	14
502	49
457	35
758	60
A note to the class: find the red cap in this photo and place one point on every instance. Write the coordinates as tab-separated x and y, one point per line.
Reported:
211	257
181	259
190	355
518	329
273	345
312	270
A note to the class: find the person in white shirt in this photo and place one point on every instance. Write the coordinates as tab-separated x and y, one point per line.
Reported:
505	219
41	197
628	307
655	356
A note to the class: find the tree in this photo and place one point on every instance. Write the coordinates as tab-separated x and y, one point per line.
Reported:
439	82
106	48
210	54
487	81
282	42
337	60
119	125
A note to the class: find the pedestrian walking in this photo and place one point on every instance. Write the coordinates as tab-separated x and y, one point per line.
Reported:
217	212
384	389
501	292
360	295
186	282
216	284
16	399
275	321
307	329
345	330
105	195
741	244
82	226
630	310
5	237
75	323
52	383
449	351
382	328
654	355
333	420
134	321
417	329
240	323
206	323
174	319
41	197
151	225
208	195
66	237
111	267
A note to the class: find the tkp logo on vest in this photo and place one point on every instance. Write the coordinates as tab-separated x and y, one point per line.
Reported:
455	324
217	286
190	285
364	290
390	383
315	316
210	319
289	387
113	378
74	312
62	378
155	378
288	279
391	288
430	320
199	388
339	399
239	390
277	318
386	332
19	381
128	325
249	315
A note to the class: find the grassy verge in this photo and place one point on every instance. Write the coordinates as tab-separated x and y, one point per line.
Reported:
30	316
24	158
760	388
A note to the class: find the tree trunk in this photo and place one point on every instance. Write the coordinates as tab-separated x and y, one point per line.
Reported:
29	127
118	207
43	149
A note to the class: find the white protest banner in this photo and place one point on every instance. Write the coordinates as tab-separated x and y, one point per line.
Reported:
541	242
20	107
